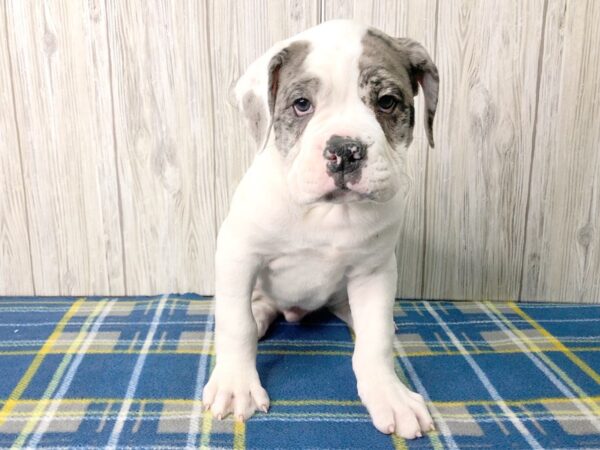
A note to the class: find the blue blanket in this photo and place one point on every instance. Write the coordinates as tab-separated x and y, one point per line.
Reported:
128	373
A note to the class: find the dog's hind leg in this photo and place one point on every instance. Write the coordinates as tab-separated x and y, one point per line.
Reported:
340	307
263	310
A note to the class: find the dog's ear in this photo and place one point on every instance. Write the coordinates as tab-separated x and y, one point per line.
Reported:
256	91
423	71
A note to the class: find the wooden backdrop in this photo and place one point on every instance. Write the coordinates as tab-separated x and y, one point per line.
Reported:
120	145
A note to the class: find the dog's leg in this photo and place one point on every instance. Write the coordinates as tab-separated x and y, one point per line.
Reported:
392	406
234	385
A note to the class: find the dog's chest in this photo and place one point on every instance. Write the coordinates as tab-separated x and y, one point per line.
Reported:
307	269
305	278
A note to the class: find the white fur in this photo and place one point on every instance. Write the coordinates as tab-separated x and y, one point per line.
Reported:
291	253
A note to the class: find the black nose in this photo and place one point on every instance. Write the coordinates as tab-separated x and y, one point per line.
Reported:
344	154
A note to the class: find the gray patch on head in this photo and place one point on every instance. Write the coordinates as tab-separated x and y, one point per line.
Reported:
288	80
383	72
424	72
256	116
392	66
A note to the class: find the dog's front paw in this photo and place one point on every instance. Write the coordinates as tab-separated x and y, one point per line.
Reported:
395	409
234	389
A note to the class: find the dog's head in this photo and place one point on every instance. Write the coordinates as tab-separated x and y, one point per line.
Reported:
336	103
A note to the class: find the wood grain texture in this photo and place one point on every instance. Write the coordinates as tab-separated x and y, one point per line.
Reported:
62	96
121	144
15	263
562	255
487	55
417	21
164	141
240	32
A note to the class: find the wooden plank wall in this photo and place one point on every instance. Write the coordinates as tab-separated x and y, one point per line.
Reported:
61	87
15	248
120	144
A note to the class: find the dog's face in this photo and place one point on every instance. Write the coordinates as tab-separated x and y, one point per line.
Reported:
337	104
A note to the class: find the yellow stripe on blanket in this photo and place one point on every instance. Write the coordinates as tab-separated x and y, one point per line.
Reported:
37	361
559	345
40	409
239	435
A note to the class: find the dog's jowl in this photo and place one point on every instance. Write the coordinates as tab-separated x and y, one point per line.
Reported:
315	220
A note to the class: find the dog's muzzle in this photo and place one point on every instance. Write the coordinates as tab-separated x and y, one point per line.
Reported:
344	154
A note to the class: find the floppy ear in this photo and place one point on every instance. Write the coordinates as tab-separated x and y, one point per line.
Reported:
256	91
422	71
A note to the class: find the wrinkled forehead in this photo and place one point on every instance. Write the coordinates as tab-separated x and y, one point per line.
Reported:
354	57
334	58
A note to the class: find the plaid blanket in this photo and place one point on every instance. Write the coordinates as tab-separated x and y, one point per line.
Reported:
128	373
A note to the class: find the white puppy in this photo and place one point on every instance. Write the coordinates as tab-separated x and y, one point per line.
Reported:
315	220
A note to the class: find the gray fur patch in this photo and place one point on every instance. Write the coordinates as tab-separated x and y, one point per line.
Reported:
256	116
390	66
424	72
289	81
383	71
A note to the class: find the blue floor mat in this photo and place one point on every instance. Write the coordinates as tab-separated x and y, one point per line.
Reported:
128	373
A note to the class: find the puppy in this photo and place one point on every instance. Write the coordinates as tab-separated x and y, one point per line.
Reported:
315	220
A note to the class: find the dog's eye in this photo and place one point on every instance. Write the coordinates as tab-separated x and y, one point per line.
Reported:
387	103
302	106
